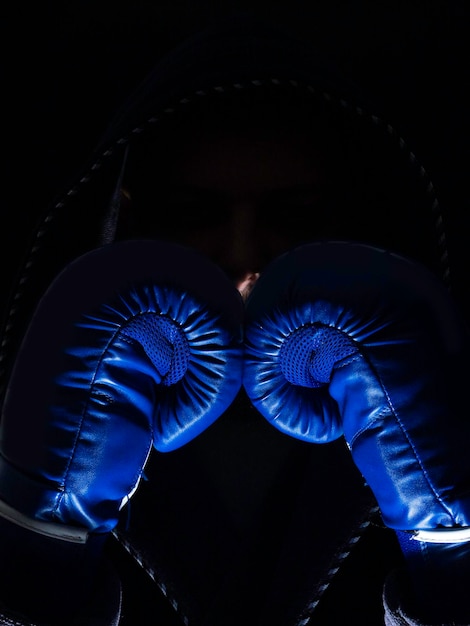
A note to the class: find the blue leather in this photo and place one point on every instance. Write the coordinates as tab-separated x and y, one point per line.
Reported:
134	345
387	369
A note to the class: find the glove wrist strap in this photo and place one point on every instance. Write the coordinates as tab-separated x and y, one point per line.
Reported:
439	576
48	578
442	535
48	529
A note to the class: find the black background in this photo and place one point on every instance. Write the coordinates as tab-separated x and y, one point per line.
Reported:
67	65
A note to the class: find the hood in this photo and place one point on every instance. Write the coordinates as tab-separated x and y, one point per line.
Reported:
240	54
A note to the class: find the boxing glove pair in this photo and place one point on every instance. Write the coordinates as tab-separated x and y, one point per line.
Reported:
336	340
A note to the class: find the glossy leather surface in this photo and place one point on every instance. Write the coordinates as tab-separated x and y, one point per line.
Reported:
124	353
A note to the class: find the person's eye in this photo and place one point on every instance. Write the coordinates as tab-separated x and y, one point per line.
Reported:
290	212
193	213
298	201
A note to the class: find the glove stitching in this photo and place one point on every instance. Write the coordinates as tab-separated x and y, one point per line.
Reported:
352	358
420	462
80	424
389	410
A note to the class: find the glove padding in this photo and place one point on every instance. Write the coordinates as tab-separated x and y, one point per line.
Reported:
135	344
346	339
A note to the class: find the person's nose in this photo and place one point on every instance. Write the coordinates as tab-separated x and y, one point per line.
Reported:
240	251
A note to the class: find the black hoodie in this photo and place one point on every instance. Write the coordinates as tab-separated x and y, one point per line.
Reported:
244	525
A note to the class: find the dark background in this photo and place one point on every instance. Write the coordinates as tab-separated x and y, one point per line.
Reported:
67	65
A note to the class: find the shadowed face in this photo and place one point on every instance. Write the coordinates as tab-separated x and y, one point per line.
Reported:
242	201
247	181
240	194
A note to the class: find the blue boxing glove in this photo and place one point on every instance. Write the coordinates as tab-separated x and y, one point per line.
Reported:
134	345
344	339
